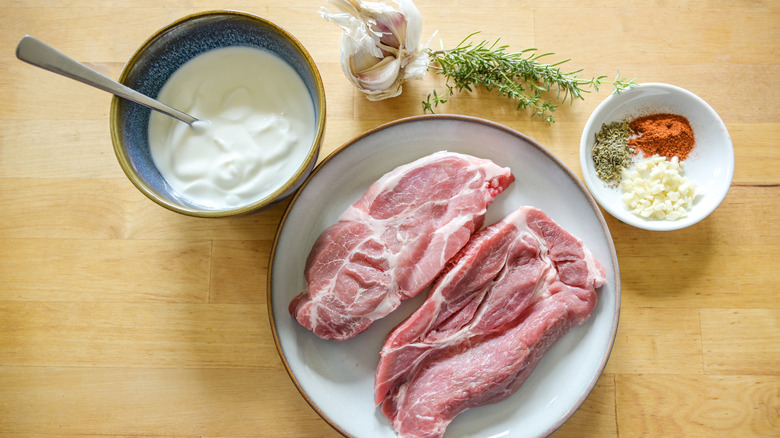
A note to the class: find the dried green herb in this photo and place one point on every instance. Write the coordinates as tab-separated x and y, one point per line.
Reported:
611	152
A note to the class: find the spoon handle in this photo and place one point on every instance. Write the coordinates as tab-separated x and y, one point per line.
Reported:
41	55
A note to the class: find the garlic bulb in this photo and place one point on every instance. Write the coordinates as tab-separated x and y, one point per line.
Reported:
380	45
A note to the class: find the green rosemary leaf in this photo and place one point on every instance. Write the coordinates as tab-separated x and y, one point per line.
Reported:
518	76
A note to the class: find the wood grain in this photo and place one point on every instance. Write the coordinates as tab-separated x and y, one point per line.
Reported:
119	318
691	405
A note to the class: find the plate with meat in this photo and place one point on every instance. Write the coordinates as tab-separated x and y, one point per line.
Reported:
443	276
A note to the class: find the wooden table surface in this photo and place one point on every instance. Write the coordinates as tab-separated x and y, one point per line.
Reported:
120	318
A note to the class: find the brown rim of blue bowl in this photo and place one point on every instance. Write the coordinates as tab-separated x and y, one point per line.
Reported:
285	190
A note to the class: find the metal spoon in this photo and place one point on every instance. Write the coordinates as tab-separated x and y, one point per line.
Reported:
37	53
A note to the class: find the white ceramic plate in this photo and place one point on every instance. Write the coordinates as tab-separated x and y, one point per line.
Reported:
337	378
710	164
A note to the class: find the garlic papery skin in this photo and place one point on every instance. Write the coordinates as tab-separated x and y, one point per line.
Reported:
380	45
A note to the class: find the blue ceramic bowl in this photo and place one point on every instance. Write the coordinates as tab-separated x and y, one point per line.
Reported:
168	49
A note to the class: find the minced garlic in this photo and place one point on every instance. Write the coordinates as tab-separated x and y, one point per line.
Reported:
655	188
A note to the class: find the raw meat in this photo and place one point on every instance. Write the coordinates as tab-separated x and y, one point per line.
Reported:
392	243
501	303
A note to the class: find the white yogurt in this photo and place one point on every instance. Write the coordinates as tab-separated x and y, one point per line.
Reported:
260	127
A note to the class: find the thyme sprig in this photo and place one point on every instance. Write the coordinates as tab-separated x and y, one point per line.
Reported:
519	76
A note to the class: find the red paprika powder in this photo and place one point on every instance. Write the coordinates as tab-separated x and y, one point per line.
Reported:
667	135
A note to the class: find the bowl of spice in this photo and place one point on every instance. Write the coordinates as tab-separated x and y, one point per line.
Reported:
657	157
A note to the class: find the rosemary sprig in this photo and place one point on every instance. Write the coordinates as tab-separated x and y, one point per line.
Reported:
519	76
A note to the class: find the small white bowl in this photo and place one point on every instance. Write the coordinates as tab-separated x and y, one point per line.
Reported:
710	164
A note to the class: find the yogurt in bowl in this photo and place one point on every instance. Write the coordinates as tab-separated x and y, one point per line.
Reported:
257	124
262	101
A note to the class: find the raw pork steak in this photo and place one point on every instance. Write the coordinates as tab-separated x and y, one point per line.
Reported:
392	243
501	303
